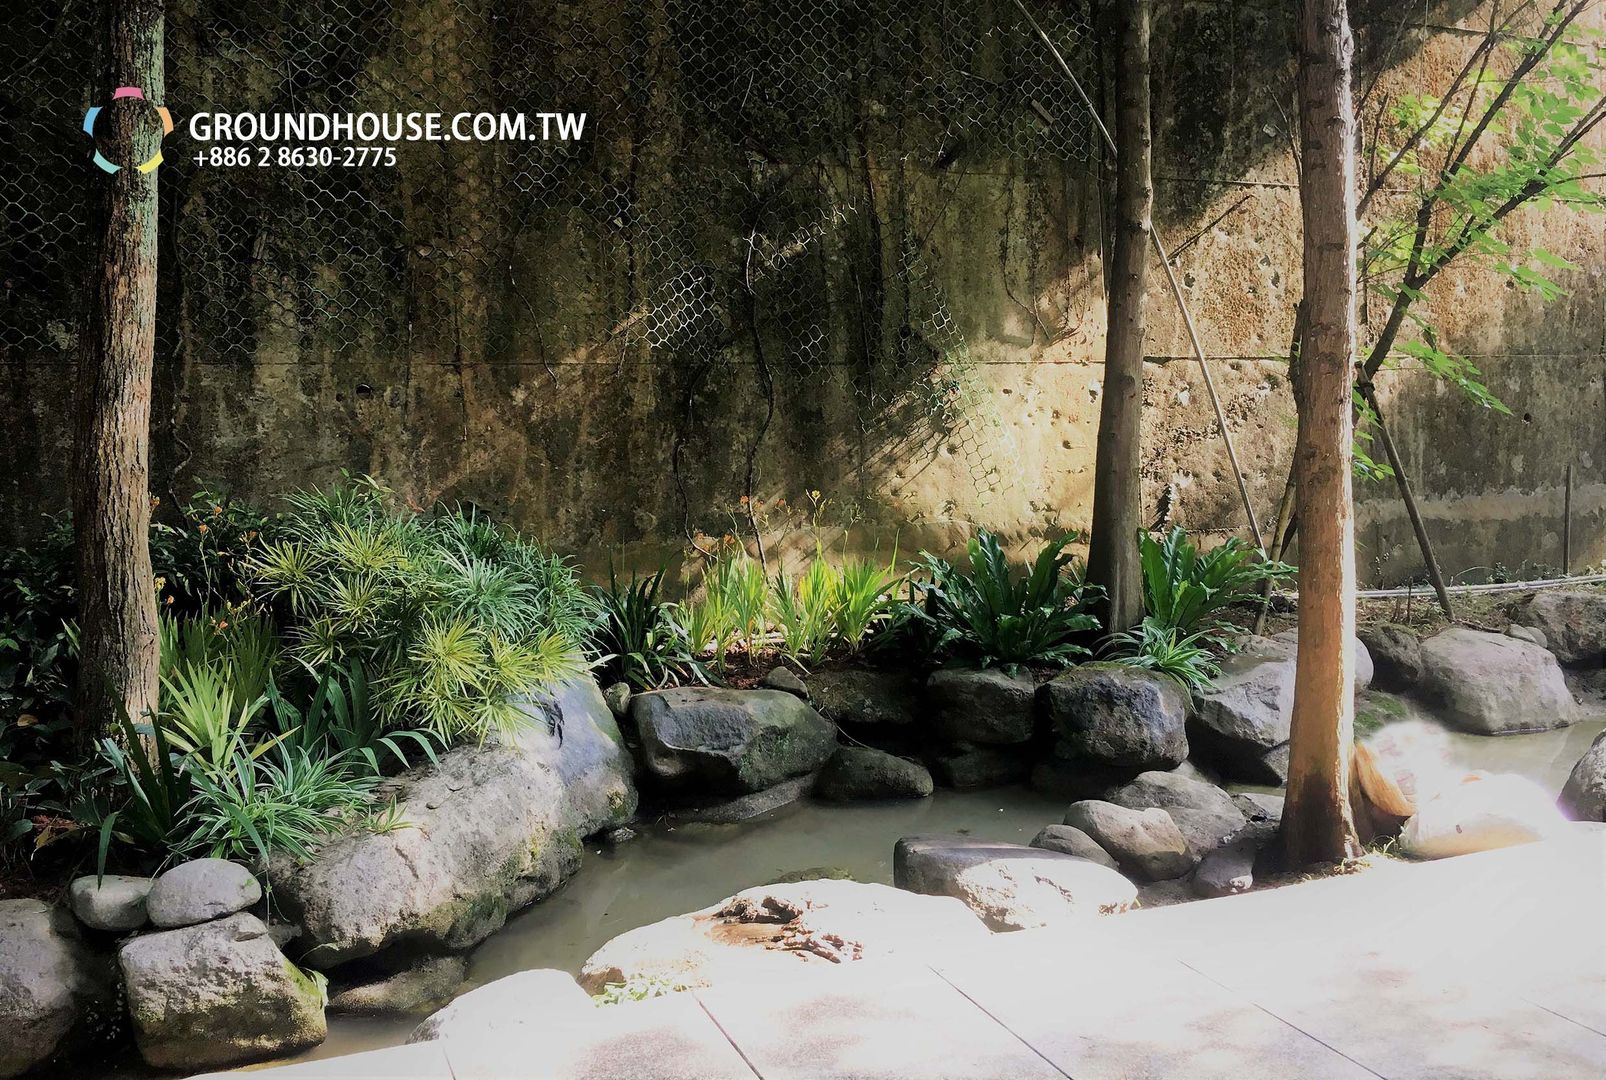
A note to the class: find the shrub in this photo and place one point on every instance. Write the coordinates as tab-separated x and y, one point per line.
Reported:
454	617
1184	589
640	641
200	562
38	604
1164	649
990	615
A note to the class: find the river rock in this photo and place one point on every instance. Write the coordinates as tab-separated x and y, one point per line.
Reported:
1483	812
1114	715
1583	797
762	935
966	769
1490	684
115	902
1241	724
714	741
1528	633
1228	869
1259	807
1146	843
52	986
744	807
784	678
1365	670
218	993
526	1003
1010	887
986	705
1572	620
194	892
865	696
1072	841
494	827
1204	813
426	985
858	772
617	695
1396	653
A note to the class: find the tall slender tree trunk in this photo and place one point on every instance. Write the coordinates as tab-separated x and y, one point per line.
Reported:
111	460
1117	491
1317	822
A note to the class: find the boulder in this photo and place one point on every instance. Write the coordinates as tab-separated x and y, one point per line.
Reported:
218	993
762	935
115	902
1376	710
1396	653
1583	797
1490	684
1241	724
714	741
986	706
1072	841
1259	808
784	678
1204	813
981	767
420	988
1528	633
1010	887
494	827
1288	640
745	807
1572	620
865	696
53	987
1118	716
1146	843
194	892
1227	869
1483	812
617	695
529	1002
858	772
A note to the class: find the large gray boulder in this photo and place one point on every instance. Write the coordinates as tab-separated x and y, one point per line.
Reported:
859	772
1490	684
865	696
194	892
1146	843
985	706
972	767
1118	716
1285	643
115	902
1072	841
1010	887
764	934
52	986
1205	814
492	828
1583	797
424	986
1396	654
710	741
1241	724
219	993
1572	620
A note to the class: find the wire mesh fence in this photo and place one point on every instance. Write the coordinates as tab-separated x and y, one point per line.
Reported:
721	214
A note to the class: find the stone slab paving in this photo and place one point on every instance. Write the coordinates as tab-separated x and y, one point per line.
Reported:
1490	965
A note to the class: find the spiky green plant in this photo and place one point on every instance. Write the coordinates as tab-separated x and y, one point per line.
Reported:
708	626
1165	649
866	594
805	611
1184	589
739	580
640	640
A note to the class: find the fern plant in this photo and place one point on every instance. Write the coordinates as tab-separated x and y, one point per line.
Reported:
1184	589
1165	649
989	614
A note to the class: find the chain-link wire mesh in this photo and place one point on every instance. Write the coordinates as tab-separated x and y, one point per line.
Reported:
726	180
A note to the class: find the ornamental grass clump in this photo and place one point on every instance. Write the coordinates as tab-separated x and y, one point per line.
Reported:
455	618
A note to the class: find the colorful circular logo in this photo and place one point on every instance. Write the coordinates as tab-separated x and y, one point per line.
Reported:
128	92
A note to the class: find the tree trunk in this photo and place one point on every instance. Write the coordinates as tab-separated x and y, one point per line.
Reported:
111	460
1117	490
1317	823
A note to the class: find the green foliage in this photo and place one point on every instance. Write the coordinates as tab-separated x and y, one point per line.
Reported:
708	626
338	721
636	988
1167	650
805	611
739	581
991	615
454	618
1183	588
287	802
640	640
866	593
200	560
38	604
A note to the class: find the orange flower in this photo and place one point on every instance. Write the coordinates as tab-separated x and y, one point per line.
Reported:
216	510
201	527
744	500
169	600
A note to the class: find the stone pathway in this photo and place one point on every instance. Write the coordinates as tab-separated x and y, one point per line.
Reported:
1490	965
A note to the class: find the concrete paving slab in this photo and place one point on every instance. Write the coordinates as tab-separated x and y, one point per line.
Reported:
870	1020
420	1061
666	1038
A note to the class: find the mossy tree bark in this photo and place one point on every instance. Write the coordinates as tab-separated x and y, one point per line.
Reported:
1317	822
111	458
1117	488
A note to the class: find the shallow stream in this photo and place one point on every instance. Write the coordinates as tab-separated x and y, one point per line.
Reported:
672	870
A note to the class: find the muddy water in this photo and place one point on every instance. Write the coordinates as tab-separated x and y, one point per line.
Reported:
669	871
